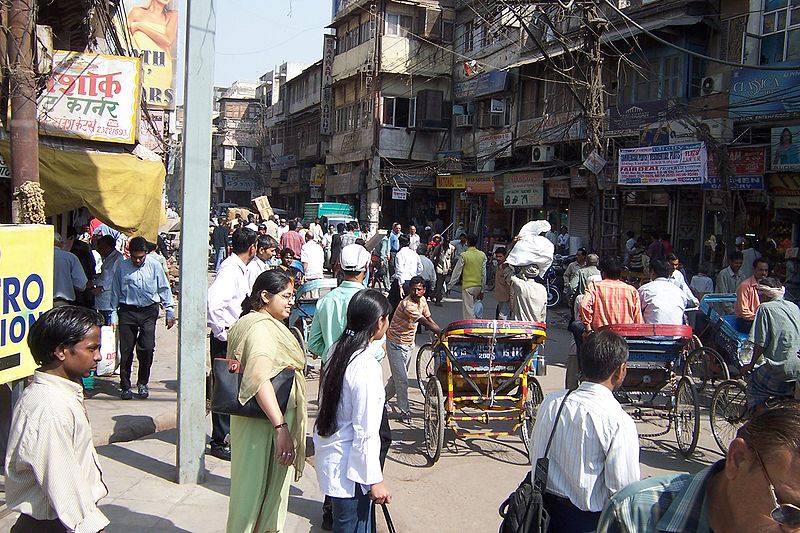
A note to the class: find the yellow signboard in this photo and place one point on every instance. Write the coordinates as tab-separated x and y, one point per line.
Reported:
451	181
26	276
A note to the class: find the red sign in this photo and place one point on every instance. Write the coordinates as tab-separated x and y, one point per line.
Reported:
743	162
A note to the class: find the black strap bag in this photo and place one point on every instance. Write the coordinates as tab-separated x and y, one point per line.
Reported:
227	377
524	510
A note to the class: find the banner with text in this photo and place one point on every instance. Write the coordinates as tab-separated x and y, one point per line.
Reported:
677	164
747	166
523	189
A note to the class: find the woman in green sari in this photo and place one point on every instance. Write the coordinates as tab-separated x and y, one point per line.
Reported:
265	451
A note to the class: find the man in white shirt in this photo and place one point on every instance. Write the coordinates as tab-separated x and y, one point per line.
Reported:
313	258
662	301
68	275
273	228
595	448
676	277
406	266
701	283
265	251
225	296
413	238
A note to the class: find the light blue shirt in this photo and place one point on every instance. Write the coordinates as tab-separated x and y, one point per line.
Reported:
105	281
383	248
330	318
141	286
394	241
68	275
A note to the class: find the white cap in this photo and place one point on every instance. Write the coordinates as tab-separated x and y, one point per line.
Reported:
354	258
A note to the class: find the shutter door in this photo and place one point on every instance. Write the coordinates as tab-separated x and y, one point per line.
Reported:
579	219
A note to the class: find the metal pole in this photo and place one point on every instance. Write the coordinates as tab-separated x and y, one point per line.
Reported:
196	183
24	129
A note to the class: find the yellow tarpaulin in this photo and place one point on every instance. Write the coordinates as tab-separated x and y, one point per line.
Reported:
119	189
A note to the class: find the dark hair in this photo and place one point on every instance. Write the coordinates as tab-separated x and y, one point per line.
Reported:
500	250
472	240
630	234
340	227
611	267
736	256
272	281
671	257
365	309
774	429
771	282
416	280
760	260
292	225
422	249
266	241
287	250
137	244
107	240
602	355
242	239
361	242
666	236
61	326
403	240
580	250
661	268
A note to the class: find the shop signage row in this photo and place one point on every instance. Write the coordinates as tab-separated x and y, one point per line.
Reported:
630	118
747	166
757	95
239	183
678	164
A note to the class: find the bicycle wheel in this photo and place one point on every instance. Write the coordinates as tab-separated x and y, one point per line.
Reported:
553	295
705	364
533	399
686	416
728	412
425	366
434	420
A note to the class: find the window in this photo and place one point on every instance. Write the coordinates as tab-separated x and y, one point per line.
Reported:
399	112
531	101
661	78
469	35
447	31
398	25
780	30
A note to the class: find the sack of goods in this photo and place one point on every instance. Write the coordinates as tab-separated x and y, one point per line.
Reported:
531	248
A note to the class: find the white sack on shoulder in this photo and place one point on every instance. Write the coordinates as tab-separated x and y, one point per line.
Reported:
532	251
534	228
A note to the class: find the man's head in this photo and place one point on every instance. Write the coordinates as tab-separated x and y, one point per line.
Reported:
105	245
769	289
563	230
138	249
292	225
654	236
611	267
630	234
251	218
316	221
287	257
735	260
659	268
580	256
396	228
412	230
603	359
760	269
500	254
422	249
331	228
592	260
404	240
472	240
66	340
243	243
309	236
666	237
416	288
354	260
340	228
463	238
674	262
265	247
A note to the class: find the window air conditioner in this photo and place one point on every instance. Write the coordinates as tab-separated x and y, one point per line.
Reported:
542	153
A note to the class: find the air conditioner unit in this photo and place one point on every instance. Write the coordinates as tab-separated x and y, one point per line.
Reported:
542	153
495	120
462	121
711	85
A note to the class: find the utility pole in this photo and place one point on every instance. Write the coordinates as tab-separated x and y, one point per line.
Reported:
24	162
196	183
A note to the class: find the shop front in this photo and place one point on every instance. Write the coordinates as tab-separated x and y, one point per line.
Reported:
522	195
449	188
409	197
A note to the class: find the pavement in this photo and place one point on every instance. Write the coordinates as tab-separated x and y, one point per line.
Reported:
460	493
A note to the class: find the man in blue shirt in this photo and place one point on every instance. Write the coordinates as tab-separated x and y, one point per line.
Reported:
139	286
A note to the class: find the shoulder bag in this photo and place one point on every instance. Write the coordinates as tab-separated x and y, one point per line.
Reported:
227	376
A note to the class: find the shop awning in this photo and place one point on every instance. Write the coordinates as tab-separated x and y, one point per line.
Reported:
120	189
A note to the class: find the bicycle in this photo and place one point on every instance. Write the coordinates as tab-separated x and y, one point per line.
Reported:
426	362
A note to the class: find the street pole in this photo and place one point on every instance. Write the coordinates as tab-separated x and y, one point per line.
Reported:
196	184
24	129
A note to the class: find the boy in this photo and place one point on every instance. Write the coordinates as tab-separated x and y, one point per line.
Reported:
53	477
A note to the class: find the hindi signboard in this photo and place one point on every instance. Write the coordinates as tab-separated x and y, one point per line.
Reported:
493	145
523	189
91	96
747	167
399	193
676	164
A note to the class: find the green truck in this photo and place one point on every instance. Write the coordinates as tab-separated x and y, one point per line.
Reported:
329	212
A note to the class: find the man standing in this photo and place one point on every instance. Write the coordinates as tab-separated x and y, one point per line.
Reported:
406	266
747	300
752	490
313	259
610	300
776	336
52	472
528	296
502	290
562	243
394	241
413	238
315	228
442	258
273	230
265	251
139	286
219	241
662	301
428	270
292	239
749	255
471	269
225	296
68	276
104	282
595	445
630	244
571	273
656	248
730	277
677	278
384	249
400	337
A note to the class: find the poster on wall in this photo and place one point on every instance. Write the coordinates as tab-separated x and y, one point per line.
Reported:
677	164
785	153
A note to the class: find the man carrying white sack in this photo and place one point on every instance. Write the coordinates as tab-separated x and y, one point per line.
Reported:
531	256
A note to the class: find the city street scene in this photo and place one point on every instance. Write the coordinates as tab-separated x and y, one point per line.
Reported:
400	266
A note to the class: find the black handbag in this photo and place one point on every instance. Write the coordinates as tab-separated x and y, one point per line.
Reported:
227	376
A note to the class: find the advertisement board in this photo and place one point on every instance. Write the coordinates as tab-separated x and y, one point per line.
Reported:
677	164
326	100
765	94
747	166
523	189
451	181
785	153
26	273
91	96
493	145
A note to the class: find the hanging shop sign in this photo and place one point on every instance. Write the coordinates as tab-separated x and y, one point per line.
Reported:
786	148
342	184
765	94
787	202
26	273
451	181
626	120
479	183
151	131
399	193
318	175
326	101
486	83
91	96
678	164
493	145
523	189
747	166
239	183
558	189
682	132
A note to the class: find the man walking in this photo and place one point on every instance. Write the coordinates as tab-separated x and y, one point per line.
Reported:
528	296
442	257
292	239
219	241
406	266
471	269
730	277
595	445
313	259
428	270
68	276
413	237
140	285
52	472
502	290
104	282
384	249
266	248
225	296
572	271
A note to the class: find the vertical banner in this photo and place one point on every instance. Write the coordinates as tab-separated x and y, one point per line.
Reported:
26	270
326	101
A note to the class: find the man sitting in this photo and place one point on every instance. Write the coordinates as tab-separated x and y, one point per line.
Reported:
730	277
662	301
610	301
755	489
747	300
776	336
595	449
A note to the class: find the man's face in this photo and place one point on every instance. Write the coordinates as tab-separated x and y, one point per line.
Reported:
417	291
761	270
396	228
736	264
675	264
81	359
137	258
287	259
580	257
412	230
265	254
330	229
501	258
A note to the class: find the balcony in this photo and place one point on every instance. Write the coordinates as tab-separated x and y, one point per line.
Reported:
353	61
398	142
403	55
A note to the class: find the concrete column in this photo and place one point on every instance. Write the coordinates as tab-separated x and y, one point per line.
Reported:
374	194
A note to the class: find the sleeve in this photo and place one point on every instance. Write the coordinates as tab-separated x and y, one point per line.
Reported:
457	270
58	472
587	307
622	458
363	465
257	361
760	329
720	283
611	520
637	308
483	272
79	279
426	310
218	298
252	275
165	292
316	342
419	267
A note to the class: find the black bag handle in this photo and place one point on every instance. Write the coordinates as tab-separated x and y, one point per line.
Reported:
388	518
555	424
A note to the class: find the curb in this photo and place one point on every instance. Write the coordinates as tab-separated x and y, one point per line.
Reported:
137	430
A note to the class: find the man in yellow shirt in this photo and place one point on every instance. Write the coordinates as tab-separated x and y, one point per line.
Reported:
471	268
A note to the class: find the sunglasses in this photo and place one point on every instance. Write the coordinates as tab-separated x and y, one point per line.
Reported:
785	514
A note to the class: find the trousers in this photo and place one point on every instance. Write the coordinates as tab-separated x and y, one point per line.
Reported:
399	355
565	517
137	329
468	296
352	515
220	423
26	524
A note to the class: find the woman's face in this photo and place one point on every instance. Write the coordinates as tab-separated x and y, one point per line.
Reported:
382	326
786	137
279	305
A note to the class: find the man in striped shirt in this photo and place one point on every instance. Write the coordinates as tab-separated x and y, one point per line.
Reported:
610	301
292	239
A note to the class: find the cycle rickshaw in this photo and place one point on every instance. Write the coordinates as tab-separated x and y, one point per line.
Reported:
657	385
481	371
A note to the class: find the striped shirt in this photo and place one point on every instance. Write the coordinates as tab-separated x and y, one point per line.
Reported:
610	301
595	450
404	322
52	470
293	241
673	504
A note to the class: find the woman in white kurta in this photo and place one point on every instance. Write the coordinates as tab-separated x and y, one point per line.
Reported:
346	434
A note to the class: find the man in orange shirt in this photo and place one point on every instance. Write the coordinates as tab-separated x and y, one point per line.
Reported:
747	300
610	301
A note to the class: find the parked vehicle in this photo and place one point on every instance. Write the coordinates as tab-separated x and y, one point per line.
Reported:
329	213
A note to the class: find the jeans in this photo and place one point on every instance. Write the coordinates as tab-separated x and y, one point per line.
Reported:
577	328
219	259
106	316
399	356
503	311
352	515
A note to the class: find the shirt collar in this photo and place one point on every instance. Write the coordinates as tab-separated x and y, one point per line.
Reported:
751	281
351	284
66	385
688	511
595	388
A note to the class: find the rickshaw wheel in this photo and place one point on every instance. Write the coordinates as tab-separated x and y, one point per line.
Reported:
434	420
705	364
532	401
728	412
553	295
686	417
425	366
